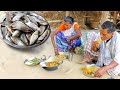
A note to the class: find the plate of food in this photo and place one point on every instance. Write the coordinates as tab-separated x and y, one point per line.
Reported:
51	64
32	61
63	55
89	70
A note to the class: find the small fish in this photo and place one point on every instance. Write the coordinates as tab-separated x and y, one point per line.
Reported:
8	37
18	16
28	36
42	22
24	38
1	33
25	19
43	35
37	21
34	37
33	26
42	29
20	26
16	33
4	31
32	19
17	41
37	16
9	17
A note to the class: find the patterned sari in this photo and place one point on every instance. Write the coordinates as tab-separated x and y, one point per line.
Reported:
61	40
62	45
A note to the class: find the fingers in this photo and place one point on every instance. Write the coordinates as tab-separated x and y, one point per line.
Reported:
81	62
84	60
97	74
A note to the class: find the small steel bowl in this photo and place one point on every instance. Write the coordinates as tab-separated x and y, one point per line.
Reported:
51	68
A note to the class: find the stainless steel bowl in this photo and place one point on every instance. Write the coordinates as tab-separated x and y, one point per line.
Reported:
51	68
43	64
30	46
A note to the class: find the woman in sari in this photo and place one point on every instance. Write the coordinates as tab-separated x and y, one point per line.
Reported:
67	36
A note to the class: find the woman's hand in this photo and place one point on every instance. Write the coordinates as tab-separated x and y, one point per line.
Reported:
68	41
53	41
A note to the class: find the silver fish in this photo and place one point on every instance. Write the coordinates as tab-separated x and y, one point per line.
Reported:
31	18
17	41
32	25
25	12
16	33
9	17
34	37
1	33
18	16
4	31
43	35
28	36
4	23
38	41
25	19
42	29
20	26
24	39
42	22
8	37
36	20
37	16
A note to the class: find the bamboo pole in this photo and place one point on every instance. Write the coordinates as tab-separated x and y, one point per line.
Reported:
55	21
115	16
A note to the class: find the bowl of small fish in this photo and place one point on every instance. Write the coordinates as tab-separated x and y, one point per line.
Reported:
24	29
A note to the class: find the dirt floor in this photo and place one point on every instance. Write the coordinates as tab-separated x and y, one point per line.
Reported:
12	64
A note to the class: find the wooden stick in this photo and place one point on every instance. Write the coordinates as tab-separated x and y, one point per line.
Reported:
55	21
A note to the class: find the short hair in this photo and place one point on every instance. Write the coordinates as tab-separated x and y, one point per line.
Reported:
109	25
69	19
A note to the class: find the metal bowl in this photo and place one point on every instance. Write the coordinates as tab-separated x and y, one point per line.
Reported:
51	68
30	46
52	58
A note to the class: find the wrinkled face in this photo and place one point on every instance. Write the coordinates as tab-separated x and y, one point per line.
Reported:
105	35
67	25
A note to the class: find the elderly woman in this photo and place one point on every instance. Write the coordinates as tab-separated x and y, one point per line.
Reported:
67	35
